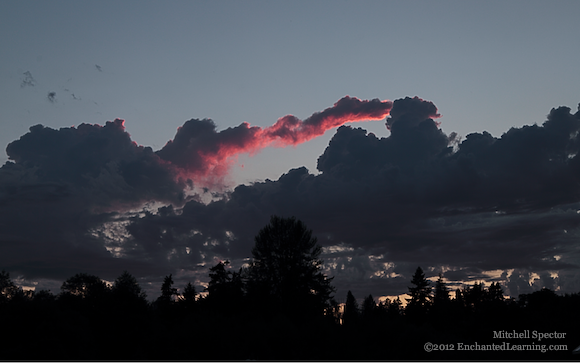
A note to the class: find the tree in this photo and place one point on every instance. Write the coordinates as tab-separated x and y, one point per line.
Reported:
167	291
420	301
441	291
188	297
351	310
495	292
441	299
475	297
127	285
7	288
225	288
83	290
43	299
395	308
127	293
333	311
285	273
84	285
369	308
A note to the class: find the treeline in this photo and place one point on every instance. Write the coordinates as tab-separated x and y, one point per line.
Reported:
280	307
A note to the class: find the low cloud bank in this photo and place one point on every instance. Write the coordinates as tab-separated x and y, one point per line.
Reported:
481	208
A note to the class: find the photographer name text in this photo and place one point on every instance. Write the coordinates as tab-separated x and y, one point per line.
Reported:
527	334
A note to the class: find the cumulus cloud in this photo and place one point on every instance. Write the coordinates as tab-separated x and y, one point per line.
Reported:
99	164
486	209
205	155
411	199
61	184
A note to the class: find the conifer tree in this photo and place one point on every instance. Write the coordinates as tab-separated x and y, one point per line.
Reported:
225	288
395	308
419	303
351	310
369	308
167	291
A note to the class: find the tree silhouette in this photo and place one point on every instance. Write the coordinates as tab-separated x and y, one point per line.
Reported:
188	298
475	296
80	317
441	299
225	288
395	308
495	292
420	301
351	310
542	300
84	285
83	291
43	297
127	294
7	288
333	311
441	291
167	291
285	274
369	308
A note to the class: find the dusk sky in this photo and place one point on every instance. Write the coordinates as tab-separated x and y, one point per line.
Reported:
459	152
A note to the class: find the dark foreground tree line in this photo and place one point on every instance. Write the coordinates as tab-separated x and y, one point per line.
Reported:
281	307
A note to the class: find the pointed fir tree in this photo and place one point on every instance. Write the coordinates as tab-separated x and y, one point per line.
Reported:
351	310
441	298
168	292
420	302
369	307
395	309
188	298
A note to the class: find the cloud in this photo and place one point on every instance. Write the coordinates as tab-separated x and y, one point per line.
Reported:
485	209
51	97
63	185
99	164
410	112
206	155
411	199
28	80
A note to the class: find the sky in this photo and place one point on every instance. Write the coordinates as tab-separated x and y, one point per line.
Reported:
446	160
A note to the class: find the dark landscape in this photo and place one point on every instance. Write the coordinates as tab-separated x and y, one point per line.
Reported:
281	308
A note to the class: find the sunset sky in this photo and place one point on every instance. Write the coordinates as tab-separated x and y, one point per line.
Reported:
494	206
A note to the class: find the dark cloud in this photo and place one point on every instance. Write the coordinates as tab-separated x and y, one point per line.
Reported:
99	164
198	149
410	112
62	187
28	80
51	96
490	205
489	209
